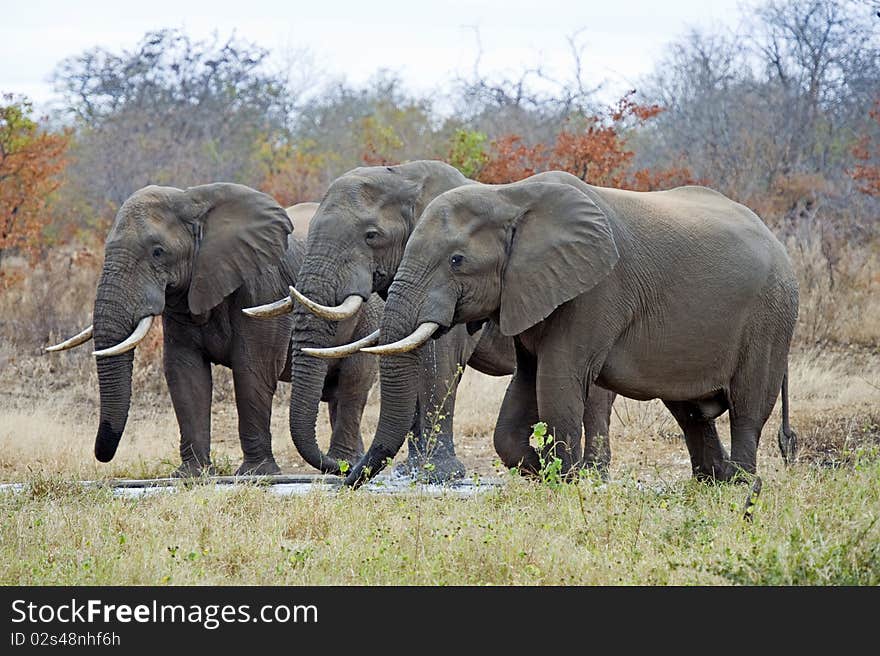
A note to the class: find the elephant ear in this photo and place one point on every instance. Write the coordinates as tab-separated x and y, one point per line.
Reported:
431	178
560	246
239	232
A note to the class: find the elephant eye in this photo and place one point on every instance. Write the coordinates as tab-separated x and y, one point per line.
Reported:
158	252
456	260
372	235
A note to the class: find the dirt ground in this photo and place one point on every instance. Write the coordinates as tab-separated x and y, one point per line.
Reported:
49	410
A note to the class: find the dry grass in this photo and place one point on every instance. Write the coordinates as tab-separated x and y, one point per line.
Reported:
811	526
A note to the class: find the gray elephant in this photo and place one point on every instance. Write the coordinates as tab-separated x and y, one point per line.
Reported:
197	257
356	242
682	295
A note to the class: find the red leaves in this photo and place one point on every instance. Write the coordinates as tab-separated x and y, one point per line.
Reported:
30	161
510	160
593	148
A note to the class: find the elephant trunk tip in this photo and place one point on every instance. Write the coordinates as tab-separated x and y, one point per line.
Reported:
375	460
106	442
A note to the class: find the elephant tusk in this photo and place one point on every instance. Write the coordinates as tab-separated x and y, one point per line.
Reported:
133	340
76	340
344	350
274	309
339	312
418	337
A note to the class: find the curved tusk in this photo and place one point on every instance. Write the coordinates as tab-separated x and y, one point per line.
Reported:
339	312
275	309
418	337
76	340
344	350
133	340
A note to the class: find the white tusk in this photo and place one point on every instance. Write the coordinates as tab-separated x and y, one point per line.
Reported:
76	340
336	313
275	309
344	350
418	337
133	340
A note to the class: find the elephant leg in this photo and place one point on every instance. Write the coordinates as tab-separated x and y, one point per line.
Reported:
744	435
431	451
748	413
597	417
561	406
253	400
709	460
753	392
562	392
188	375
356	374
519	412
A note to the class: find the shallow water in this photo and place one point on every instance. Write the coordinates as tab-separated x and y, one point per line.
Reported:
287	485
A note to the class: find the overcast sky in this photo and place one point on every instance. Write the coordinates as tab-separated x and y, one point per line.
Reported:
427	42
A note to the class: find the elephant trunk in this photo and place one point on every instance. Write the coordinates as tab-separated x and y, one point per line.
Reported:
307	373
114	380
399	378
307	383
113	322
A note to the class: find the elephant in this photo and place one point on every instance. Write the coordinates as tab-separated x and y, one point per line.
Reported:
197	257
355	245
682	295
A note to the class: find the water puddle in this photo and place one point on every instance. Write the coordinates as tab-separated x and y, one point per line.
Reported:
287	485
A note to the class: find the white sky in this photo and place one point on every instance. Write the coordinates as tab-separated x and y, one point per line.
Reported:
427	42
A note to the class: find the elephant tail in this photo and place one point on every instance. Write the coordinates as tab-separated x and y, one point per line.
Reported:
788	440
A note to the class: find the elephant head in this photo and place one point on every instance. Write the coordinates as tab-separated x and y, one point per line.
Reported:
355	243
512	253
178	253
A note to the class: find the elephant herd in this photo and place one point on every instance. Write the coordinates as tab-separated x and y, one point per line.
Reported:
580	292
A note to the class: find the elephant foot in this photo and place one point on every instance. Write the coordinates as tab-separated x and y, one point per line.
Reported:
593	467
262	467
434	470
193	469
725	472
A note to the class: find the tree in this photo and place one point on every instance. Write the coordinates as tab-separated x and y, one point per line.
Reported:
30	161
867	171
532	104
292	173
170	111
378	123
765	112
466	152
595	148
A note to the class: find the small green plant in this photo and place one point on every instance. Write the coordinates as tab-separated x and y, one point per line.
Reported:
550	472
344	467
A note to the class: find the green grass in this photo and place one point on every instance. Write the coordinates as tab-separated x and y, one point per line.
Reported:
812	526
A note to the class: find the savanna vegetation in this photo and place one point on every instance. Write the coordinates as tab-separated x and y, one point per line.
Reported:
781	114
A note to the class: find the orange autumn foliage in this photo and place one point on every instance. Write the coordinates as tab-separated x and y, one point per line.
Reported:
293	178
595	151
30	161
